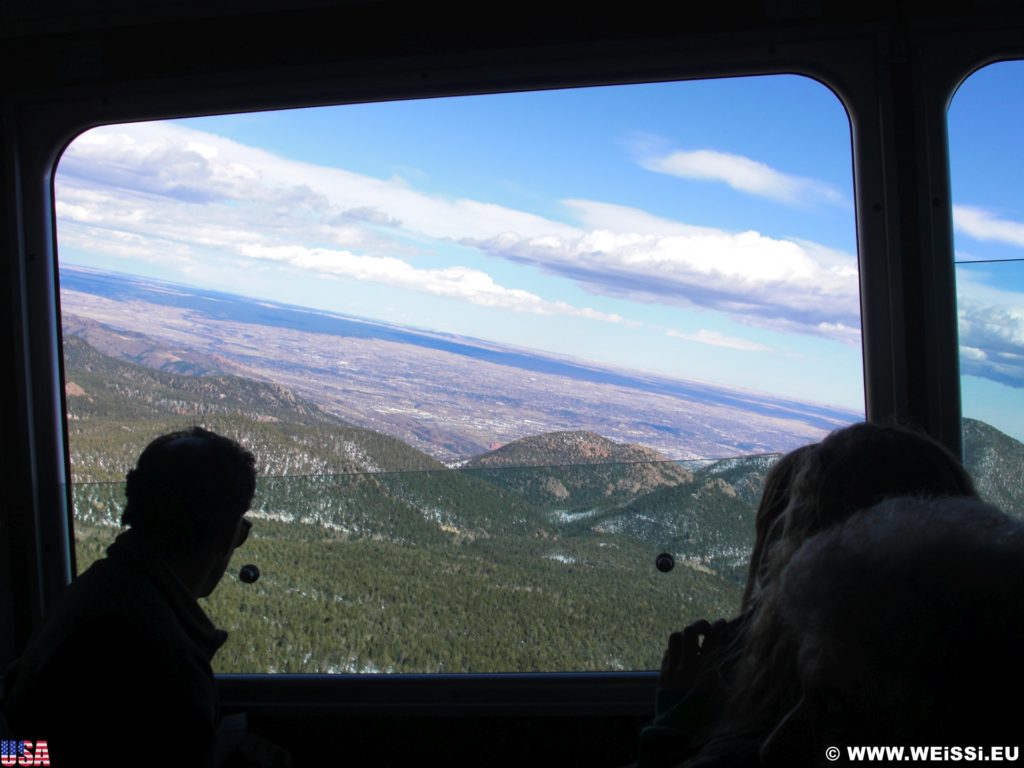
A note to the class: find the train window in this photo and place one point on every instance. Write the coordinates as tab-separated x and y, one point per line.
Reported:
494	353
986	167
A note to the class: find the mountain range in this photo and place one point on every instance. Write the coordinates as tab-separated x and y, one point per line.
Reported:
561	483
535	554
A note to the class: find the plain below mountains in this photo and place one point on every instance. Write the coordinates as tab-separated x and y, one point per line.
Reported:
453	397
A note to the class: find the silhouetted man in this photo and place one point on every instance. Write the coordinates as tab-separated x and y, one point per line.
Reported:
119	673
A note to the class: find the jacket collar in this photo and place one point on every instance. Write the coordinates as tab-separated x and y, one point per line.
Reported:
131	548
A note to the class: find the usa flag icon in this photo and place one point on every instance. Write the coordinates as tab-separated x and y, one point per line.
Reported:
20	752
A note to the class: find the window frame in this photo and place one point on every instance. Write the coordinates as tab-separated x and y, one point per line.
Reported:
895	83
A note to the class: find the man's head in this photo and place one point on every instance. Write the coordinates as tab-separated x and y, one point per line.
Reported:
187	495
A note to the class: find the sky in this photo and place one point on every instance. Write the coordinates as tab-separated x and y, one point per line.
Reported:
702	230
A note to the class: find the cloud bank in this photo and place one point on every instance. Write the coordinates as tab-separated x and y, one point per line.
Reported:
149	191
772	283
155	190
170	194
991	327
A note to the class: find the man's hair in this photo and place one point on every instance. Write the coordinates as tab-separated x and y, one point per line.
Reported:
186	485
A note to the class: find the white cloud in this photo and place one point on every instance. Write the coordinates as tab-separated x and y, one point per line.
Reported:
758	279
126	245
744	175
984	225
69	212
991	326
841	332
464	283
621	218
716	339
992	343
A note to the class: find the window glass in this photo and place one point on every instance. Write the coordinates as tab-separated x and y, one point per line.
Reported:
494	354
988	224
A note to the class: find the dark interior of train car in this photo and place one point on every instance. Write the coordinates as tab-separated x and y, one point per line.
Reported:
422	259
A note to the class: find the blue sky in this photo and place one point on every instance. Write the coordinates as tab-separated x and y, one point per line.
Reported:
703	230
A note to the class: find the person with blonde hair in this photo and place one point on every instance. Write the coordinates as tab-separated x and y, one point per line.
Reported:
808	490
903	628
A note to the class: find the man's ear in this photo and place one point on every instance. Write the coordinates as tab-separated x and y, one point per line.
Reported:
213	558
226	533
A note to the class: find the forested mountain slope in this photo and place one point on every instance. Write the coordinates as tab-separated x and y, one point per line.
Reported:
996	462
536	556
576	471
115	408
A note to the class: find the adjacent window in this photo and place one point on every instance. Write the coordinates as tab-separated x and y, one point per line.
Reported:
988	220
494	354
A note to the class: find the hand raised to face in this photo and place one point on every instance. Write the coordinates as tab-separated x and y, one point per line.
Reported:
693	653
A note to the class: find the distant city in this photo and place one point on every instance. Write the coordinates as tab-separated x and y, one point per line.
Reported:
450	396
